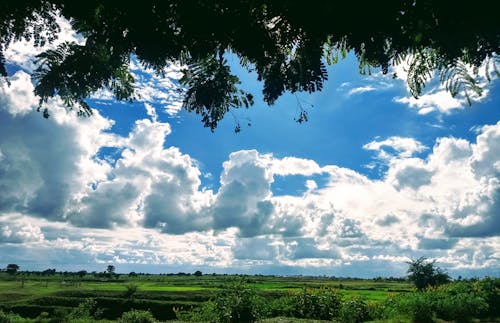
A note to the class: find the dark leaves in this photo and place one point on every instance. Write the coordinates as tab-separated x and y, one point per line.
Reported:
212	91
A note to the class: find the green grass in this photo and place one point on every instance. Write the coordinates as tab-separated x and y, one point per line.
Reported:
154	290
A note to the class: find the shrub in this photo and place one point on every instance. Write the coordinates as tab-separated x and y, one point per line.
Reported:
87	309
135	316
10	318
420	307
280	306
460	302
489	289
322	304
237	303
204	313
131	290
232	304
354	310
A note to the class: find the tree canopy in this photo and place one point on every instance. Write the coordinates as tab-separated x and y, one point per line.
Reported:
12	269
424	273
286	43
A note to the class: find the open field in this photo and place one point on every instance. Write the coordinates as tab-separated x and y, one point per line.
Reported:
33	295
174	297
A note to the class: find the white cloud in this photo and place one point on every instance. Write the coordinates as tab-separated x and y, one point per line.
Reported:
151	197
15	230
360	90
435	97
162	91
395	147
23	53
36	163
437	100
294	166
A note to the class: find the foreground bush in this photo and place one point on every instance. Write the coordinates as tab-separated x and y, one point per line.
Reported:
458	302
321	304
136	316
354	310
10	318
420	307
489	290
233	304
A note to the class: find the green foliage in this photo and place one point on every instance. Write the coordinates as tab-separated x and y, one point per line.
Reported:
131	290
280	306
136	316
459	302
424	274
212	90
12	269
286	44
323	303
87	309
10	318
420	307
489	290
232	304
354	310
237	303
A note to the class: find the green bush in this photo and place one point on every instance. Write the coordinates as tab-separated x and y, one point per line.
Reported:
354	310
136	316
280	306
489	290
322	304
420	307
10	318
232	304
237	303
87	309
204	313
131	290
460	302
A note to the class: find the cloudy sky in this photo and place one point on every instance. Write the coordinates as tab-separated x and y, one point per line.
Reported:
373	179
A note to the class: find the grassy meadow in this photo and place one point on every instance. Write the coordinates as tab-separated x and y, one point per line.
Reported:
38	298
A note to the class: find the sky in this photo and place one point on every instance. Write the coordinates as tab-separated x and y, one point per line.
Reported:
373	179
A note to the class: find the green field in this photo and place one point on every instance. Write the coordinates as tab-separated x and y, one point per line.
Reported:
32	295
172	297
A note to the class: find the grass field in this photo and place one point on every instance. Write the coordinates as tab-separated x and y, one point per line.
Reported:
162	294
169	297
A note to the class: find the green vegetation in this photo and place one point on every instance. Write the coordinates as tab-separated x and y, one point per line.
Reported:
286	44
30	297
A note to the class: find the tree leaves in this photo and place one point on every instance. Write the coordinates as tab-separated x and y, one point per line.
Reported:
285	43
212	90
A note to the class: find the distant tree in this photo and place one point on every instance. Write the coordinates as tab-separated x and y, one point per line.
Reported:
49	272
198	273
12	269
287	44
82	273
424	273
110	270
132	274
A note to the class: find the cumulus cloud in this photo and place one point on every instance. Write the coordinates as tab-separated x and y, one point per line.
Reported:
14	230
152	198
36	163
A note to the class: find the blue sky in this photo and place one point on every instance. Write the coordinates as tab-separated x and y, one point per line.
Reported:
373	179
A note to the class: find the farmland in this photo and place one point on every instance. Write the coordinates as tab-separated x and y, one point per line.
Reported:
173	297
